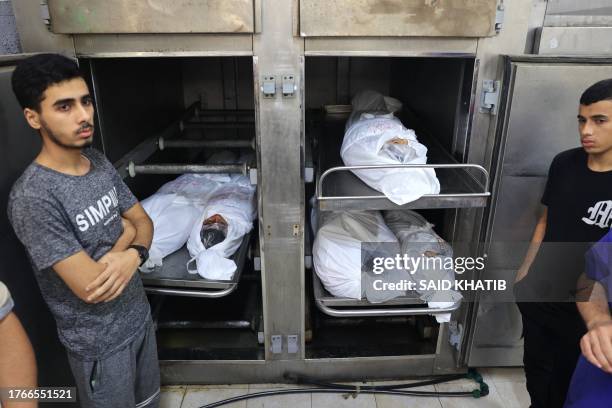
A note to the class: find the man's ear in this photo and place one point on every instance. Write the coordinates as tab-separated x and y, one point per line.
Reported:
32	117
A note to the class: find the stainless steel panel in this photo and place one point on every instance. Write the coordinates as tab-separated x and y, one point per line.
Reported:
511	40
280	157
34	34
369	47
167	45
540	99
542	108
517	210
459	18
575	41
258	13
536	20
582	7
578	13
178	16
497	339
295	17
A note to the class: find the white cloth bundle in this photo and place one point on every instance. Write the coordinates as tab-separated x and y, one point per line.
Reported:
337	254
174	209
194	186
235	202
371	101
419	240
173	217
378	138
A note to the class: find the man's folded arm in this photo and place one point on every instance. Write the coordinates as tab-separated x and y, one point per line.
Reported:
138	217
78	271
127	236
121	265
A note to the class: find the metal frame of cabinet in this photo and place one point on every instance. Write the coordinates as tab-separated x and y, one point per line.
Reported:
279	49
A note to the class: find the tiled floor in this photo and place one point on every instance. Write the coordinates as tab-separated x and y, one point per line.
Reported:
506	386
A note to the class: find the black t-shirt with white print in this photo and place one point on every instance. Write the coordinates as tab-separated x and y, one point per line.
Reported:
579	202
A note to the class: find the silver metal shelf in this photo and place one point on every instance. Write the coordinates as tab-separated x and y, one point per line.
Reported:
343	190
222	143
172	277
134	162
338	189
345	307
176	168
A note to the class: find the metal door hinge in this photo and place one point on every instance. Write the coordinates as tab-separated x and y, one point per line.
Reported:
490	96
44	13
288	86
499	18
292	344
276	346
268	86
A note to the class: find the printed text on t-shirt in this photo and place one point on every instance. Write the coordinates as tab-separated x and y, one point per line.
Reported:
600	214
96	213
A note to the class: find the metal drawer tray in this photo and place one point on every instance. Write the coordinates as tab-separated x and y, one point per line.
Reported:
462	185
345	307
172	277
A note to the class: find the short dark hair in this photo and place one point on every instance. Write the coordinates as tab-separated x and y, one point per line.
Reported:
35	74
600	91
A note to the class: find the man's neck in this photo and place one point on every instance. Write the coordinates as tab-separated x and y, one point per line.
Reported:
63	160
600	162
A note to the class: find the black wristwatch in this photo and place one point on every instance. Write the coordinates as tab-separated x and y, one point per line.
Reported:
143	253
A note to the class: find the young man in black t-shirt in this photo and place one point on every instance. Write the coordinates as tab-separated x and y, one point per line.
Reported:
577	212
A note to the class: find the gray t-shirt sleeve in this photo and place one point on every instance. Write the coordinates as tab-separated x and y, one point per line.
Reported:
6	301
44	232
124	194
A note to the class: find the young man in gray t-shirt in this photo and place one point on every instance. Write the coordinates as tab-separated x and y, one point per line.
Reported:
86	234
